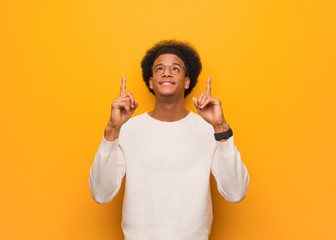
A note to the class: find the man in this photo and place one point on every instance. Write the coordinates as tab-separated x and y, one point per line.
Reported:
167	154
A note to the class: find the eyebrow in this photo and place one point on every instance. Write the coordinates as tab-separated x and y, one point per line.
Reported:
167	64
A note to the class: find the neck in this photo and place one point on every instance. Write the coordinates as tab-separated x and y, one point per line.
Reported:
169	110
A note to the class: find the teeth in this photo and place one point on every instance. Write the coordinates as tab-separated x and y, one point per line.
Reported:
167	83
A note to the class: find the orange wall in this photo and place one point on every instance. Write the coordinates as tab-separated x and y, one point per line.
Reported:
273	67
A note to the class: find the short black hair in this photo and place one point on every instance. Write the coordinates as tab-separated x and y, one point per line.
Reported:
183	50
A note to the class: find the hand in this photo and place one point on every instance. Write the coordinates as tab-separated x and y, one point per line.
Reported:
122	108
210	109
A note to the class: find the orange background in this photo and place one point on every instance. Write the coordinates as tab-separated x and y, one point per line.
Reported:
273	67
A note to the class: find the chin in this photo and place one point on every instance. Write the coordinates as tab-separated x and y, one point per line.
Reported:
166	95
169	95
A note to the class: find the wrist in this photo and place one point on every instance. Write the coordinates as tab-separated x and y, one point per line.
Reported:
111	133
221	128
224	135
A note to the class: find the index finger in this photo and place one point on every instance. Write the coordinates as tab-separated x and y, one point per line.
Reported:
208	86
123	85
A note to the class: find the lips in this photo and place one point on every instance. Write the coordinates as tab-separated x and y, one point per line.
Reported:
167	83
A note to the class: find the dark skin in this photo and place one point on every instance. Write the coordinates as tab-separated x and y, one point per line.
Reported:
169	100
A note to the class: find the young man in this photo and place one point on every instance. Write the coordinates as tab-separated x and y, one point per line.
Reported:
167	154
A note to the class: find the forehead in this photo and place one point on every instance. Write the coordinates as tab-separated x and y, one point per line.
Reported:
168	59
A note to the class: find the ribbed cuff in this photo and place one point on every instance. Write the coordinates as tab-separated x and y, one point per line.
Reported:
227	145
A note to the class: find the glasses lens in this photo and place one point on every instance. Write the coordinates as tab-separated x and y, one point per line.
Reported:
175	69
159	69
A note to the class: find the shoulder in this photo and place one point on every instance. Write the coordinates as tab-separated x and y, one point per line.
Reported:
135	122
202	130
132	127
200	123
199	120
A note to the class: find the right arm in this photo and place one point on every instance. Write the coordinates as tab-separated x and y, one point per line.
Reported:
107	171
108	168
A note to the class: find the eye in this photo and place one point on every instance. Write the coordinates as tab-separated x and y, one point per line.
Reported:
159	69
176	69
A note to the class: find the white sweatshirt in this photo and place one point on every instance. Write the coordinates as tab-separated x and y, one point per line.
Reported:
167	167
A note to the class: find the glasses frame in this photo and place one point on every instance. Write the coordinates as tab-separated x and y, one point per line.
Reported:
169	67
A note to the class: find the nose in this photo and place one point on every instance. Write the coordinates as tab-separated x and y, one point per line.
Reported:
166	72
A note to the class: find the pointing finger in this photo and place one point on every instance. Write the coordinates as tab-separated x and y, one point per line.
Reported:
208	86
123	85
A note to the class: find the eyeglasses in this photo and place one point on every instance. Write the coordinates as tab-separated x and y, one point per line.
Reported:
174	69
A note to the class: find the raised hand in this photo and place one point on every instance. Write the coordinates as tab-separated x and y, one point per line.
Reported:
122	109
210	109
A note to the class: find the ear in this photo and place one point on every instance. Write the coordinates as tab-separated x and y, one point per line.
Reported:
187	82
150	82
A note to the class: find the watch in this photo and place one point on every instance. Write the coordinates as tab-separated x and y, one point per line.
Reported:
223	135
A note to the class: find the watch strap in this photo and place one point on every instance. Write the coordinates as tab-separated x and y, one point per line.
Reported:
223	135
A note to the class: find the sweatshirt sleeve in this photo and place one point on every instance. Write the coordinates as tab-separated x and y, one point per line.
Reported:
107	171
229	171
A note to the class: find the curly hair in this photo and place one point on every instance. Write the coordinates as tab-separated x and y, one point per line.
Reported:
183	50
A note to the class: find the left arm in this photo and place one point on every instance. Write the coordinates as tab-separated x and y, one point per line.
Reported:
228	169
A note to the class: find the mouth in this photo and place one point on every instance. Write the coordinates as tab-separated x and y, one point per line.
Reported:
167	83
